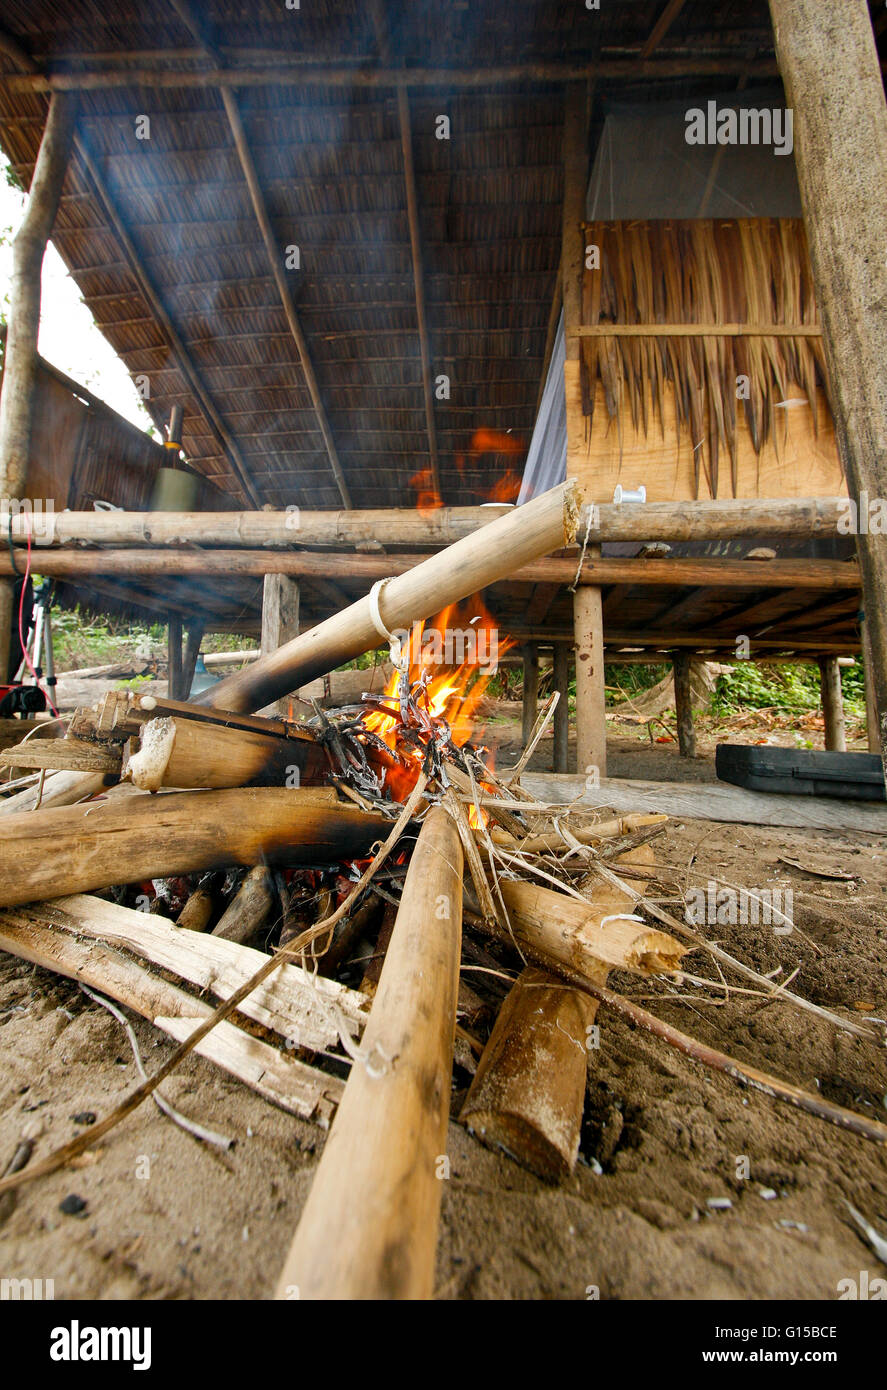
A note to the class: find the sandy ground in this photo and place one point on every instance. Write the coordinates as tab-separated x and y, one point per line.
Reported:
167	1217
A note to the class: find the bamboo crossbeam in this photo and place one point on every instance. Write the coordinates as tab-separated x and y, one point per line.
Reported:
663	521
369	1227
372	78
698	330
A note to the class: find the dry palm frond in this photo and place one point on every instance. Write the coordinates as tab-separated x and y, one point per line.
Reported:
702	271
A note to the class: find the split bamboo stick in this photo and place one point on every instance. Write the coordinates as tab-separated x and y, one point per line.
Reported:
369	1227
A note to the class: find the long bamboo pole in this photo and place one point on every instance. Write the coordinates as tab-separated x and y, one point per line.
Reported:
369	1227
545	524
654	521
717	571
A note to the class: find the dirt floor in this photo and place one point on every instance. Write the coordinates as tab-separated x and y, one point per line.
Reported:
167	1217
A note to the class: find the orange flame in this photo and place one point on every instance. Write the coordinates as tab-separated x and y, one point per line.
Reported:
428	499
451	687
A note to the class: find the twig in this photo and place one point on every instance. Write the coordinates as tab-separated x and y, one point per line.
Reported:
546	714
199	1131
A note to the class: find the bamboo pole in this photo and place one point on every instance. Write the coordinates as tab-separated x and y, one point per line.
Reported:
187	753
719	571
591	722
546	523
666	521
568	932
325	75
369	1227
83	848
833	82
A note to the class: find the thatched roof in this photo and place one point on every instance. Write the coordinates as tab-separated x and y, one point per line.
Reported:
174	210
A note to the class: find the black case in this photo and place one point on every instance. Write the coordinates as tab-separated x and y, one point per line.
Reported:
801	772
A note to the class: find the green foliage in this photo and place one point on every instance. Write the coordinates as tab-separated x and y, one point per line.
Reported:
790	687
624	682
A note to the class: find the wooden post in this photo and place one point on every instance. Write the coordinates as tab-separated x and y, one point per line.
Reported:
174	657
832	704
871	705
369	1227
20	359
280	622
833	84
530	691
189	660
591	726
562	713
683	699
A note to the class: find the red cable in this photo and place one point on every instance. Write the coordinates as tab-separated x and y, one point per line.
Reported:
21	613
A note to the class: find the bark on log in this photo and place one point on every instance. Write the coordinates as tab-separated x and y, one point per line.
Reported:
79	849
546	523
833	83
369	1227
528	1092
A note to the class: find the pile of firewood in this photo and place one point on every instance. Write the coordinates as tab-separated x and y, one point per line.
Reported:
364	921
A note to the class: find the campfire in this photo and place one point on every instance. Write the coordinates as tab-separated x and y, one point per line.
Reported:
437	938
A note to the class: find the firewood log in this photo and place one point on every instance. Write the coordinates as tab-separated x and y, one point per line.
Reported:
528	1092
248	908
82	848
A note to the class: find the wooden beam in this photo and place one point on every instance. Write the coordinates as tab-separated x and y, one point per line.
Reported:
625	571
168	74
275	261
713	801
832	76
543	597
280	621
554	314
662	26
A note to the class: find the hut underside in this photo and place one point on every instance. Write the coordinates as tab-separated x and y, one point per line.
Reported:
347	268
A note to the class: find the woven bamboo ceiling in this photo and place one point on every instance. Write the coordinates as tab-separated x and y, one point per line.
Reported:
419	257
